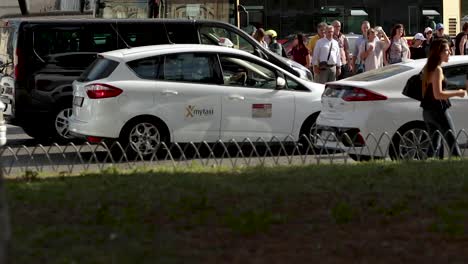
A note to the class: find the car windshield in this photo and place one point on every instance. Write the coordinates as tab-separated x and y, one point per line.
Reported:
380	74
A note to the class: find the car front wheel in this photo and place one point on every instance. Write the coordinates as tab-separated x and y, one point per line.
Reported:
410	143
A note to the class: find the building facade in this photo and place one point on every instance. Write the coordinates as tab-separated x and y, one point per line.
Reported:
291	16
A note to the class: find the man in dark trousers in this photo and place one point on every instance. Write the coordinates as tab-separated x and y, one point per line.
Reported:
153	8
461	44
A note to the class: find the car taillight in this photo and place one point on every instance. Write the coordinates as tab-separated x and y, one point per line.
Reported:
100	91
19	65
360	94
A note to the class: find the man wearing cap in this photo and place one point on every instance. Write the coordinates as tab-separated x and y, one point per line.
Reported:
440	34
417	49
427	43
461	44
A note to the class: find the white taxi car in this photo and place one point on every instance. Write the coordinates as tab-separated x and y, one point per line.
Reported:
190	93
368	116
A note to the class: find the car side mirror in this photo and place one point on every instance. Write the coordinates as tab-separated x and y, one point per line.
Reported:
280	83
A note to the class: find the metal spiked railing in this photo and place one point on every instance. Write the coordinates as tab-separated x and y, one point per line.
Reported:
309	149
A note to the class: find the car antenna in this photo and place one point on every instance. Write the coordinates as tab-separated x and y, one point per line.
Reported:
120	37
167	34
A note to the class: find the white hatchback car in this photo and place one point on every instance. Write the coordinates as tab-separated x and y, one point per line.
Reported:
190	93
368	116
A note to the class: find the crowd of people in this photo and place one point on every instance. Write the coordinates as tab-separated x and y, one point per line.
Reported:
328	53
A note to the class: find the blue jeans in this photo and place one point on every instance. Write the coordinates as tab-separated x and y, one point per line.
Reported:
439	123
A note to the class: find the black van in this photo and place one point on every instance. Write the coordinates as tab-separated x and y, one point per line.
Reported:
40	58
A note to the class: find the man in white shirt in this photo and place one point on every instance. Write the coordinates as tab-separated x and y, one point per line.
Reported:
327	57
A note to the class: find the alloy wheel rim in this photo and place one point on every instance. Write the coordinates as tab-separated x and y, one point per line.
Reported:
62	123
414	144
313	133
144	138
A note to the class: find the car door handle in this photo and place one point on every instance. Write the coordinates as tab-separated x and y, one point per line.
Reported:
236	97
169	92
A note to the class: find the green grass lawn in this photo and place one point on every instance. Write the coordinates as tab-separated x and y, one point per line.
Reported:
368	212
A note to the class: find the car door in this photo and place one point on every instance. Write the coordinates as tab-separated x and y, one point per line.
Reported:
252	107
186	94
456	78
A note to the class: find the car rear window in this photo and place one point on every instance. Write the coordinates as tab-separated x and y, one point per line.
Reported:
380	74
51	40
99	69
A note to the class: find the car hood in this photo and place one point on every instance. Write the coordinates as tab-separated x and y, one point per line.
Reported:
303	71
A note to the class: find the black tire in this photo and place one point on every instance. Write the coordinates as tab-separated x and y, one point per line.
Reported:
401	147
306	135
60	128
357	157
141	138
41	134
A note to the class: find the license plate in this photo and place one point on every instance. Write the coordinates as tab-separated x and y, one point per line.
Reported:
328	136
78	100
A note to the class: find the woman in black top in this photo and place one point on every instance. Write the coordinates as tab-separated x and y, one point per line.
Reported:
427	43
417	49
436	102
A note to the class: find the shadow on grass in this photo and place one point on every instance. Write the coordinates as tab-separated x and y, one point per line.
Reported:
178	215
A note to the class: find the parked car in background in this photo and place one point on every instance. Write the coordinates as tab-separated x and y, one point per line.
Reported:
190	93
371	110
43	56
288	42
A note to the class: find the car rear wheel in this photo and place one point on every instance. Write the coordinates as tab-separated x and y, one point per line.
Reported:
142	138
62	124
53	128
410	143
